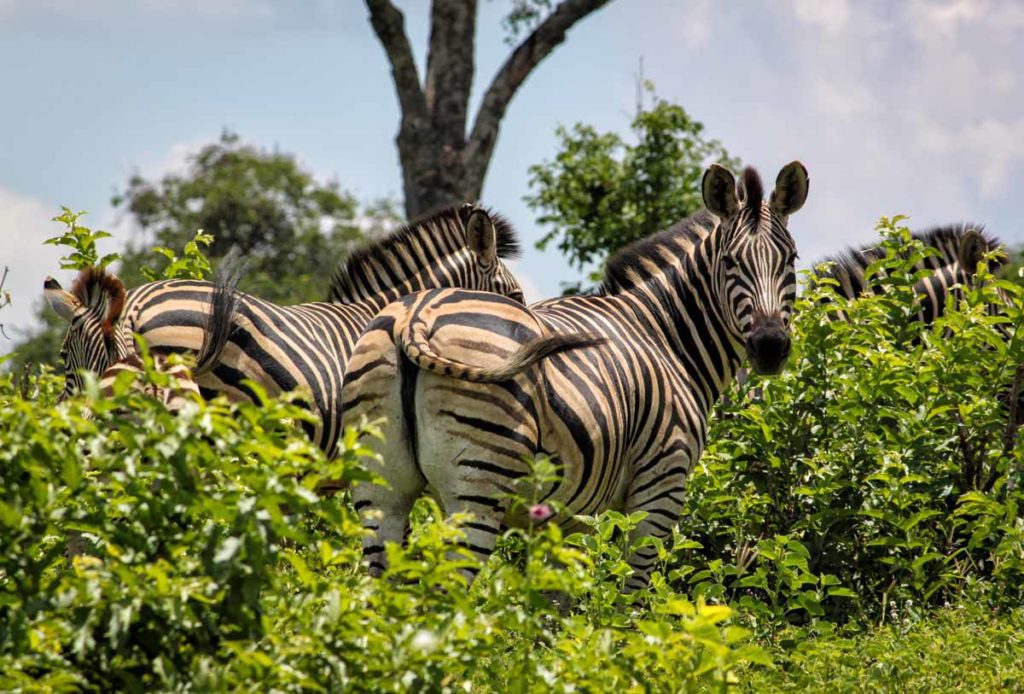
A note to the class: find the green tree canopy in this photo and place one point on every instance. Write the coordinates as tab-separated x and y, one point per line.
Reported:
601	192
293	229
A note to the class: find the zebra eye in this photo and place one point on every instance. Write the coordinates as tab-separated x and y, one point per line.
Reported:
729	262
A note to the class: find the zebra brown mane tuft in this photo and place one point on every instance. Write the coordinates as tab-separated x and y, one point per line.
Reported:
753	191
946	238
359	276
630	266
96	288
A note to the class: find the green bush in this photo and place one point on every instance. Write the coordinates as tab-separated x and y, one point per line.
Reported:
834	516
210	563
968	648
880	471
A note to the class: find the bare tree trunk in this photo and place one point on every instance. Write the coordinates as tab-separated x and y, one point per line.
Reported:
441	163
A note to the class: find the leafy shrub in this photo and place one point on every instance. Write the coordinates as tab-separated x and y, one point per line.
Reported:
880	470
966	648
876	480
210	563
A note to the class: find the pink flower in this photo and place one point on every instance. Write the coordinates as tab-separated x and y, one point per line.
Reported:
540	512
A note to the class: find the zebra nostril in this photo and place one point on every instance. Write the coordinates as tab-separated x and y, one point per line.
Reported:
768	350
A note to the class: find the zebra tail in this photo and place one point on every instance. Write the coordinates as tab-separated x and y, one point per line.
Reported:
224	302
417	349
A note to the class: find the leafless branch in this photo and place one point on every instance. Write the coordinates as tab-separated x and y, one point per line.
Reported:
389	24
450	66
969	469
534	48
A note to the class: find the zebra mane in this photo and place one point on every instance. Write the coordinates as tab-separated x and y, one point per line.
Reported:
634	264
371	269
945	238
753	192
103	293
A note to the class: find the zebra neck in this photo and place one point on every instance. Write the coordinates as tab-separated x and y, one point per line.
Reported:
685	310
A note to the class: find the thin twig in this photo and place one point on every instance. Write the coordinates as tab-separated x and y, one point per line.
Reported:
965	449
1010	430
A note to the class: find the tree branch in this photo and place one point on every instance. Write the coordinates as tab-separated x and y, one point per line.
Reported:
389	24
534	48
450	63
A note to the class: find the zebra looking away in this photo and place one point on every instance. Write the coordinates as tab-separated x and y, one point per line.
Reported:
957	250
616	386
284	348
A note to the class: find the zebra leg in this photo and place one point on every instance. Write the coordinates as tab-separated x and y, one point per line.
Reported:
486	513
658	491
385	514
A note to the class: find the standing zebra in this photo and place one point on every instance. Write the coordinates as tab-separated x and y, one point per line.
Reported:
284	348
476	385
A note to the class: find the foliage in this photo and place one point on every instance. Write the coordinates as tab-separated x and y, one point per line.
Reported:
210	563
42	345
292	228
193	263
82	242
523	17
880	473
834	518
601	192
1013	270
967	648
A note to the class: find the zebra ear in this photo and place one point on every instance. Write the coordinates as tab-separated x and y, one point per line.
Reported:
972	250
481	236
719	188
63	303
116	297
791	188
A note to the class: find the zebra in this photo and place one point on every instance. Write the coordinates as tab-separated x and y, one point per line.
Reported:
617	386
957	250
98	296
284	348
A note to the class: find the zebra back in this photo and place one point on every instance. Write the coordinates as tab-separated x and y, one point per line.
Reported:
963	244
306	346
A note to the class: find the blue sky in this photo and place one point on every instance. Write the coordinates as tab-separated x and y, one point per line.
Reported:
913	107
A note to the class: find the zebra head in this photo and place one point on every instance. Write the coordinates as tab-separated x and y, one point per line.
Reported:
754	258
92	309
463	246
482	242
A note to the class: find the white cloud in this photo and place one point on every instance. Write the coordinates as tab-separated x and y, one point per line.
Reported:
227	9
942	20
24	225
218	8
829	15
997	148
911	107
849	99
695	22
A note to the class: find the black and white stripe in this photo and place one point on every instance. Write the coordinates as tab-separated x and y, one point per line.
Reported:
955	251
616	387
286	348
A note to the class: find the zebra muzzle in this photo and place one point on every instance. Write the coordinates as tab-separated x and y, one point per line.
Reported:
768	346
